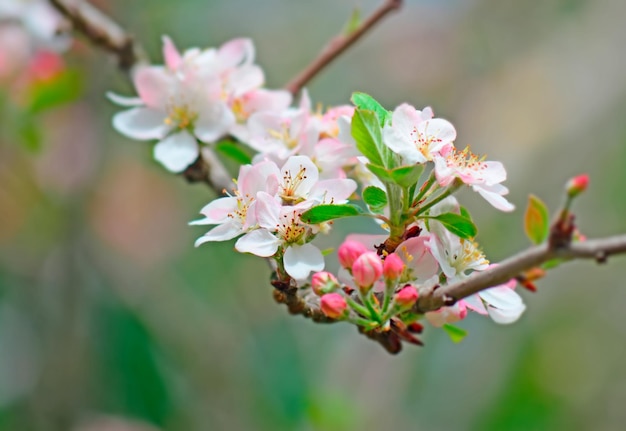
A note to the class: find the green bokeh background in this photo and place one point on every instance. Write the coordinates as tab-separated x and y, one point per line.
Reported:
110	320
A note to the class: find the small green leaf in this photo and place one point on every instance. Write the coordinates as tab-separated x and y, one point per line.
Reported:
29	133
322	213
353	23
552	263
366	102
455	333
367	133
327	251
536	220
233	151
381	173
465	213
457	224
375	198
61	89
407	176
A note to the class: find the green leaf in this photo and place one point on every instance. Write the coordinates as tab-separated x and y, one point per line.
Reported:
457	224
536	220
407	176
552	263
63	88
29	133
367	133
465	213
327	251
381	173
368	103
353	23
455	333
375	198
233	151
322	213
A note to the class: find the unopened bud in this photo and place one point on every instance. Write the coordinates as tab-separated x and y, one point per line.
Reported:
349	251
577	185
393	267
324	282
334	306
406	297
366	270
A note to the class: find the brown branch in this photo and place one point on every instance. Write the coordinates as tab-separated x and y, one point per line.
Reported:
338	45
102	31
597	249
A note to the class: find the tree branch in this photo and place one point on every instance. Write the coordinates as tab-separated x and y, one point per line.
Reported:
597	249
102	31
338	45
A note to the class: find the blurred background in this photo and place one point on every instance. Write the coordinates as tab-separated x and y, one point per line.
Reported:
110	320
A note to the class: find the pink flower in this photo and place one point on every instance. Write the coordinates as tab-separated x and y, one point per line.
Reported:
367	269
577	185
349	251
324	282
406	297
334	306
415	135
393	267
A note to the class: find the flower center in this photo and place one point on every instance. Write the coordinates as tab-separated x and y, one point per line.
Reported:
181	116
289	228
290	186
284	136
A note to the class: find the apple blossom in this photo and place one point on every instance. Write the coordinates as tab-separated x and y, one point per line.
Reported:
333	305
406	296
324	282
349	251
416	135
393	267
366	270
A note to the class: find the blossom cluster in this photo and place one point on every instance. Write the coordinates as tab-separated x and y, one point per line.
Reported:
312	166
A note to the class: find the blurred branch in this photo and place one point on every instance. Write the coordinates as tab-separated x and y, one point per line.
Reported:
597	249
102	31
339	44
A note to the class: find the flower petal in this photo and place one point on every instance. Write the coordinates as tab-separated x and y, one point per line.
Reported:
171	55
260	242
217	211
223	232
177	151
152	84
213	122
300	260
141	123
123	100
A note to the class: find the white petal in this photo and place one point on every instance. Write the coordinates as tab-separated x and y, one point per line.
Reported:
493	197
213	122
153	84
501	297
177	151
333	191
223	232
260	242
504	317
123	100
473	302
141	123
292	168
267	211
300	260
245	79
217	211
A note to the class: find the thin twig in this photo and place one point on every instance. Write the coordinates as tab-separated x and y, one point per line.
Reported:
338	45
597	249
101	31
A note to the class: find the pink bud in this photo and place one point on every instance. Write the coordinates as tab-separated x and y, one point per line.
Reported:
324	282
333	305
367	269
577	185
406	296
393	267
349	251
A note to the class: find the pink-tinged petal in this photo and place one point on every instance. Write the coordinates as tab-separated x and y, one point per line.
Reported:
474	303
447	314
259	242
405	118
300	260
236	52
267	211
493	195
123	100
444	173
305	101
402	145
172	57
245	79
217	211
418	258
442	130
223	232
177	151
505	317
256	178
267	100
141	123
333	191
152	84
213	123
